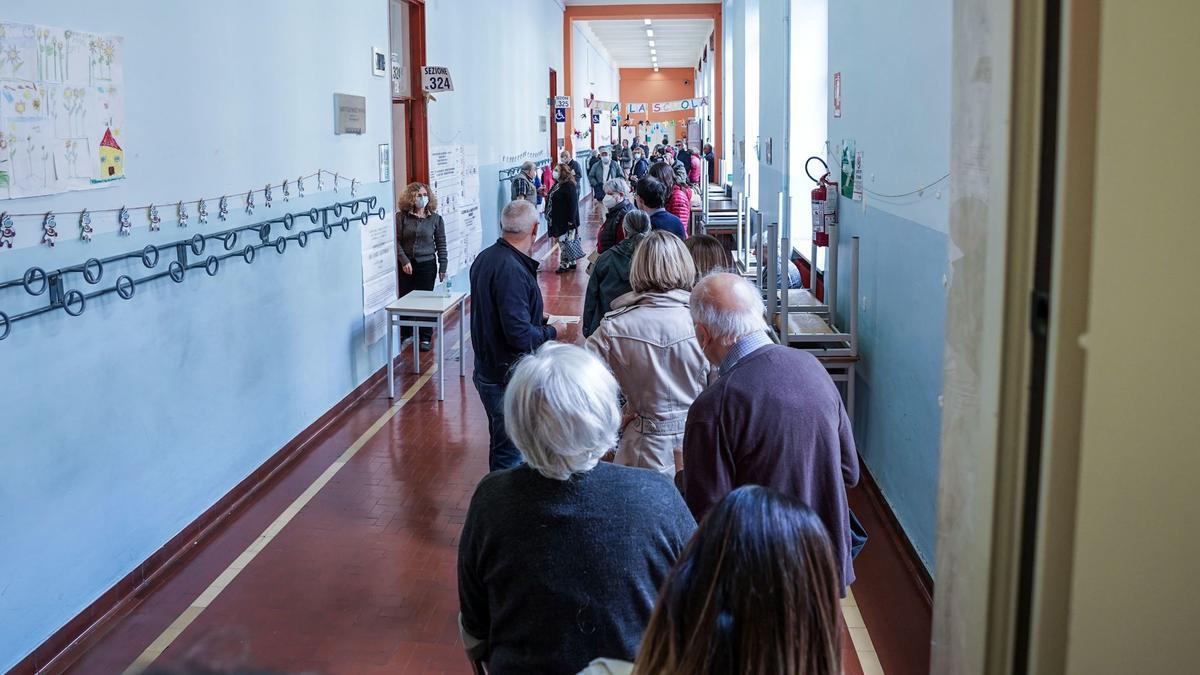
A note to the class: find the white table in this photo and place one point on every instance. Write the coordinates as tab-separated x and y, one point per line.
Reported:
425	309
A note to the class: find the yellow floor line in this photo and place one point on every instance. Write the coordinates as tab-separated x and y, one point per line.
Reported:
219	584
860	636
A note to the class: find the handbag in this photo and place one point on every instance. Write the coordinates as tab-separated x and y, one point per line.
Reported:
573	247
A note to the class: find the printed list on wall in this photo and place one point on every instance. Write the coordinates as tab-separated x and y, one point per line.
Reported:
61	110
454	178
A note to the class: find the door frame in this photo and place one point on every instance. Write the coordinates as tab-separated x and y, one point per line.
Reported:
416	108
552	124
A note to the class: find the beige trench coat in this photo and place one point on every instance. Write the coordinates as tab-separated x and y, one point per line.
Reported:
649	344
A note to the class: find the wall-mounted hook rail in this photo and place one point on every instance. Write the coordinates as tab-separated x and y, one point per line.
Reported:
189	256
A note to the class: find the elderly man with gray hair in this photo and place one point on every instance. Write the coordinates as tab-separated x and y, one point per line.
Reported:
507	318
560	559
774	416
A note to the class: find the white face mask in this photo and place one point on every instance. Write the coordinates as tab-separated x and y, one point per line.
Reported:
610	201
637	155
422	202
605	158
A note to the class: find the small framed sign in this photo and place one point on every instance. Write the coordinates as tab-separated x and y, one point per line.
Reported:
385	162
379	63
350	114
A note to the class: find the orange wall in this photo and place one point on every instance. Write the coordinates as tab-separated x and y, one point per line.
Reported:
643	85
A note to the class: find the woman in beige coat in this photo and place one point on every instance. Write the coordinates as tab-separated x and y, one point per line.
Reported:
649	343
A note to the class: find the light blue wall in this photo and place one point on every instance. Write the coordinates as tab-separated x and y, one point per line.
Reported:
895	61
499	54
123	425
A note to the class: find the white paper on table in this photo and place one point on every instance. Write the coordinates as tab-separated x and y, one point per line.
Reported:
378	293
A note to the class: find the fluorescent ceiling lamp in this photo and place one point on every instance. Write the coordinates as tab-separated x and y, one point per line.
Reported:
652	43
649	32
647	21
653	51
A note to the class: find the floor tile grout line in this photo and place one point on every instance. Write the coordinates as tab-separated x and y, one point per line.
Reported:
185	619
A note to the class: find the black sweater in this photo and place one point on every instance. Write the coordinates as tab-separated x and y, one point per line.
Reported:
553	574
506	310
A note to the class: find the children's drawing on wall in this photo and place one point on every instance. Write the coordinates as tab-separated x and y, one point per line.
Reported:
61	110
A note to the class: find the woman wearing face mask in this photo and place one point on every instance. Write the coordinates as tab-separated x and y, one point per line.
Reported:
640	165
617	204
421	254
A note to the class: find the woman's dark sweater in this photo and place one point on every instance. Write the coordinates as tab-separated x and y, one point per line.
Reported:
552	574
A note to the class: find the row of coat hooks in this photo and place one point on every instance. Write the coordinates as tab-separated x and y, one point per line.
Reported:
54	284
49	220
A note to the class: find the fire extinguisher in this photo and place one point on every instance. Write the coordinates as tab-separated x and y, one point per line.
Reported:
824	205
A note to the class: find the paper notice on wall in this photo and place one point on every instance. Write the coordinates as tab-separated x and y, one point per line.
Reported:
378	250
858	176
454	178
379	275
375	327
377	294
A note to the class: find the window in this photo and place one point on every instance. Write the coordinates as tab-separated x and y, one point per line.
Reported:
808	127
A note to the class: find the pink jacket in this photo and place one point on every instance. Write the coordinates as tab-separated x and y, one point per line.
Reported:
679	204
694	170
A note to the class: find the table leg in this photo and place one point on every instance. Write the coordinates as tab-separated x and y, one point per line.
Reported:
462	337
391	376
416	341
441	364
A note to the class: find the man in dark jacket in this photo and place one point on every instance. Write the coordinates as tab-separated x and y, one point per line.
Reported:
610	275
506	319
773	417
652	197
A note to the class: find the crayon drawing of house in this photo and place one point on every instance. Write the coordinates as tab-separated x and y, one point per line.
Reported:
112	159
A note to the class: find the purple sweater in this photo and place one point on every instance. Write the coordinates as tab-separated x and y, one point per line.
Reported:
775	419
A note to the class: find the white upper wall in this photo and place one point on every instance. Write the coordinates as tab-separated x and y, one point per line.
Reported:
895	100
593	73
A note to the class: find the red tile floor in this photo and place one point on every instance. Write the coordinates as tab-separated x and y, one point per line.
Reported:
362	578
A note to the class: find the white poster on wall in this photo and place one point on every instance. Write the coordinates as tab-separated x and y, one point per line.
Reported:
62	111
454	178
379	275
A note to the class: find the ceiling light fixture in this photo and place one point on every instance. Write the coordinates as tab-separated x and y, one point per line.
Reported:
647	21
652	43
653	51
649	32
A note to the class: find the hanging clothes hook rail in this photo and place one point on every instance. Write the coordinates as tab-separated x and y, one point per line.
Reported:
188	256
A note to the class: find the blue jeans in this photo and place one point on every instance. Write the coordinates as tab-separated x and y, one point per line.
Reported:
502	454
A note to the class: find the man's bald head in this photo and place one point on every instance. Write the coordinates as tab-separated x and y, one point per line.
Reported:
728	307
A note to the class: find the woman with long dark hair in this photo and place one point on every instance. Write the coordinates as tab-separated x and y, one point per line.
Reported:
755	592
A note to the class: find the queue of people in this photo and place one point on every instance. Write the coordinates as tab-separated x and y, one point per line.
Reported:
580	551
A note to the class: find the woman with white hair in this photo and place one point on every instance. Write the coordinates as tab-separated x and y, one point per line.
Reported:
649	342
616	201
561	558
